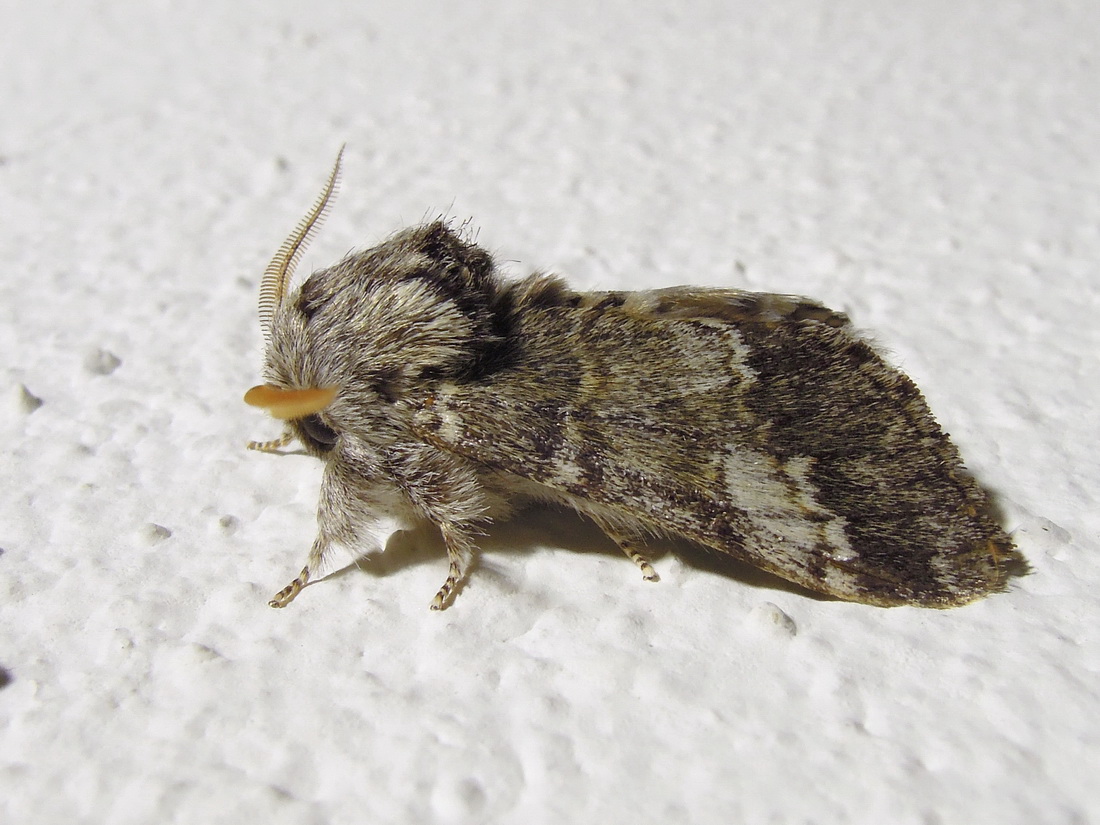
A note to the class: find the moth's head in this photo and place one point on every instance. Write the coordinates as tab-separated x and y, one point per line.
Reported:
292	394
355	339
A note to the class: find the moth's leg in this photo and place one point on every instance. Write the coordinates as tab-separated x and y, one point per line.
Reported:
316	558
460	551
274	444
627	544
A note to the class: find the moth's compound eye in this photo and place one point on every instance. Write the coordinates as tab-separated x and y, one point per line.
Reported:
322	436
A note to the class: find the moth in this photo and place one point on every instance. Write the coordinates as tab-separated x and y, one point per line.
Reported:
760	426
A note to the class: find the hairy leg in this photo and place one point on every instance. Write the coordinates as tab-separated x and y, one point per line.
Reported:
627	543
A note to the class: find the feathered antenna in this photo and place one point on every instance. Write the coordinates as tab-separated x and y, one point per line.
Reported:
279	272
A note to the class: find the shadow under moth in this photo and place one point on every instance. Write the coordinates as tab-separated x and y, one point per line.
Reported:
757	425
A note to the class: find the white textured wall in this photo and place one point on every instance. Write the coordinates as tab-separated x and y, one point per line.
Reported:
930	168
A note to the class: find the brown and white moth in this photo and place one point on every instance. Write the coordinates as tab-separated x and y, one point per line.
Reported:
757	425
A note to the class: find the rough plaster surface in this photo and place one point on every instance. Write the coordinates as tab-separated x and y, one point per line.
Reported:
930	168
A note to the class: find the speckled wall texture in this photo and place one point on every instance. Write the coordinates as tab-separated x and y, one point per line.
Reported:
930	169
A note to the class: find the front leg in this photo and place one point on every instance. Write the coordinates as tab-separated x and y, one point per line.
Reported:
461	551
275	444
314	562
346	512
411	484
445	490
